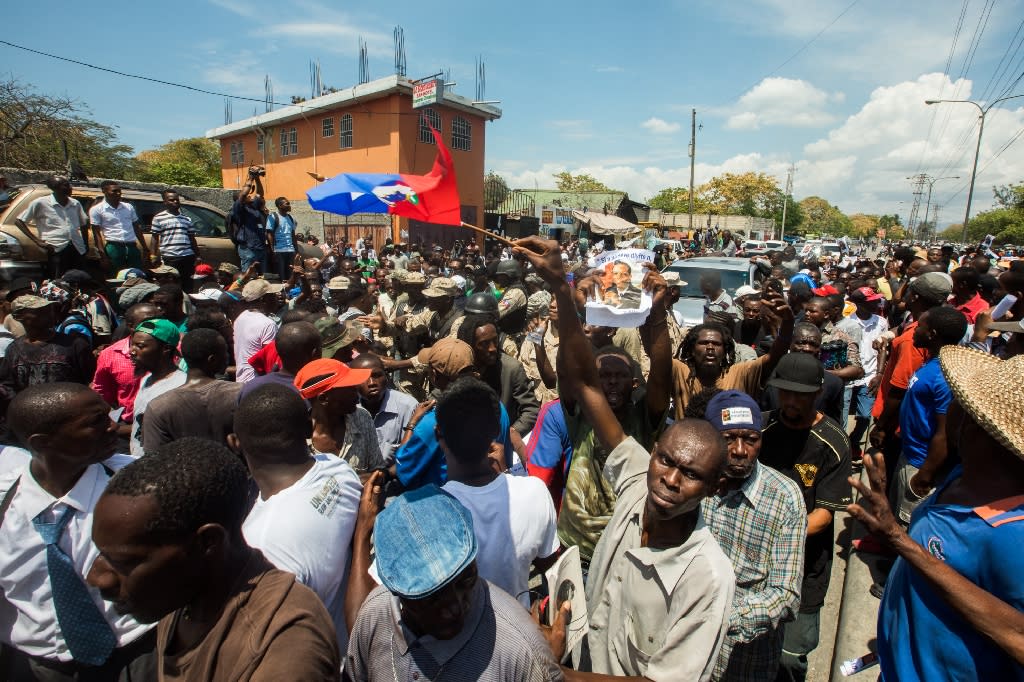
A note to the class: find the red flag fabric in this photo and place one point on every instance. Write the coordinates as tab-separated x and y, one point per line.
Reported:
435	197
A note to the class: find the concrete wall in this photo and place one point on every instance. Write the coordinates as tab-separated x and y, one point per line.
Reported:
219	197
679	222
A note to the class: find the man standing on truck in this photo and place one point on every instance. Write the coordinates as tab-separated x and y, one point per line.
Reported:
116	230
62	226
174	239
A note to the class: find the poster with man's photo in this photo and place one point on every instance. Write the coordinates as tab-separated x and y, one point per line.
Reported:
620	300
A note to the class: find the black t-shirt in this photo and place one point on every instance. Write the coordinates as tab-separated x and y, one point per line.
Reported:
818	459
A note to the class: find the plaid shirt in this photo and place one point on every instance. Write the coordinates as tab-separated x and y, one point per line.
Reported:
761	527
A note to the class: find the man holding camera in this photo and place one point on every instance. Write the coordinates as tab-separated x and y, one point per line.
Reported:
249	215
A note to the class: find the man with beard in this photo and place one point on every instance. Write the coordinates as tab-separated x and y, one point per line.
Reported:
708	357
811	449
759	521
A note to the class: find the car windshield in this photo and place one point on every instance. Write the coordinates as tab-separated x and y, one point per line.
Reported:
731	279
208	223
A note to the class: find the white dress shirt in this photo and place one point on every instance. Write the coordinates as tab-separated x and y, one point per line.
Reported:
28	619
58	225
115	223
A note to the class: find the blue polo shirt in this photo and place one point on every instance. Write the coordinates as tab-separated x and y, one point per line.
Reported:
919	636
927	396
420	460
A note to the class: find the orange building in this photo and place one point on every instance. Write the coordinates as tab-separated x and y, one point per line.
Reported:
369	128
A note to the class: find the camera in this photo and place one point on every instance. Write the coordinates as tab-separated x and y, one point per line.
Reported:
255	171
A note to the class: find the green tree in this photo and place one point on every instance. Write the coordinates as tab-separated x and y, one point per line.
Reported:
495	191
193	161
750	193
822	218
567	182
864	225
677	200
43	132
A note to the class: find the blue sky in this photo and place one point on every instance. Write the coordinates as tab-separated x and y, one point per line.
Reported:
601	87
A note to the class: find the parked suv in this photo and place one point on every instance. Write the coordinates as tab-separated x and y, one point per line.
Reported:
19	255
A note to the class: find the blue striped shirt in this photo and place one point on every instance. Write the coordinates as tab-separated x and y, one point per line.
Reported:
173	231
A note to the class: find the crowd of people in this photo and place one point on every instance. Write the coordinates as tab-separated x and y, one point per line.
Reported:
359	466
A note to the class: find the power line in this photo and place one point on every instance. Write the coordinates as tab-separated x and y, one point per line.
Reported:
800	50
266	100
945	71
979	30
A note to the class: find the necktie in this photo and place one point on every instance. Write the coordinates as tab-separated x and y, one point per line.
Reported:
86	632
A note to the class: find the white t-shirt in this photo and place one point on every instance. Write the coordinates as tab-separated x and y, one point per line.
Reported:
253	330
57	225
306	529
514	521
148	392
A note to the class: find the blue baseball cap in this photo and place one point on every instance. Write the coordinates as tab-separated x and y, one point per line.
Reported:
423	539
803	277
733	410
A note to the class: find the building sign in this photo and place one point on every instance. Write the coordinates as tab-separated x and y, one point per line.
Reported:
555	218
427	93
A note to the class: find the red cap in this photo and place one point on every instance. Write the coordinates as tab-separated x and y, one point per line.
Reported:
866	294
827	290
203	270
320	376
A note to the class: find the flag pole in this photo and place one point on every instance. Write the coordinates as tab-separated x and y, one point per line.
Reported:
491	235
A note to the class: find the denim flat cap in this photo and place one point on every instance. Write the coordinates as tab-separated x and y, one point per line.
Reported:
423	539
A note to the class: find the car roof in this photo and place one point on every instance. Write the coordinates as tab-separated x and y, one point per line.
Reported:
711	263
126	193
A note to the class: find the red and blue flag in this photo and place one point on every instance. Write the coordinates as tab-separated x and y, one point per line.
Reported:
430	198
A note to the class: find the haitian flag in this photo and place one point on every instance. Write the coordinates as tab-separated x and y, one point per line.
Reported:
431	198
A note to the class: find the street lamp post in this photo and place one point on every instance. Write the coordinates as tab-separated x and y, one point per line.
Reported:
977	149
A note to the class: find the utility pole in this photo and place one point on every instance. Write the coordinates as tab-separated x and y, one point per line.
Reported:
693	155
785	198
913	221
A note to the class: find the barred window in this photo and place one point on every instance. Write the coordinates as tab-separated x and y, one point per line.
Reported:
237	153
328	126
289	142
429	117
259	142
345	131
462	134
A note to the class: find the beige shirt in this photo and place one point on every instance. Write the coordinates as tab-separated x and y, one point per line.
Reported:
528	356
743	376
657	613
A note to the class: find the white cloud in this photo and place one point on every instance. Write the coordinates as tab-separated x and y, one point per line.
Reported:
861	164
782	102
869	43
660	126
610	69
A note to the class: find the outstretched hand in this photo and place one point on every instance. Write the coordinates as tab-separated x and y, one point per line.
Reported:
873	510
777	303
658	287
546	257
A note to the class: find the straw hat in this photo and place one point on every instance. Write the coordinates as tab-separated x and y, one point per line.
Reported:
990	390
